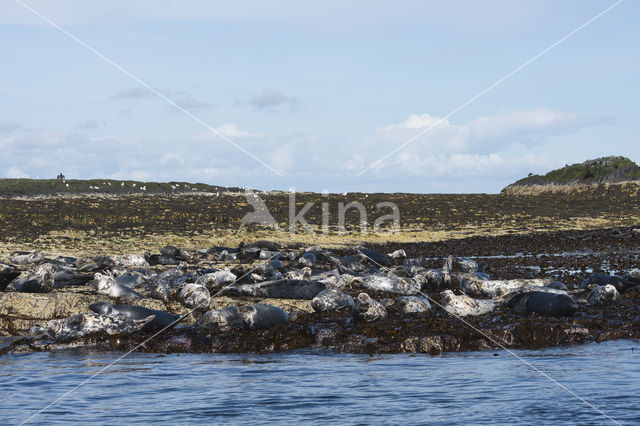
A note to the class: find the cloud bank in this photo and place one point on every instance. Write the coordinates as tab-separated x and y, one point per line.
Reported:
448	157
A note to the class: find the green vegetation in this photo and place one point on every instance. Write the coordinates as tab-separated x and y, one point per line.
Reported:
28	187
600	170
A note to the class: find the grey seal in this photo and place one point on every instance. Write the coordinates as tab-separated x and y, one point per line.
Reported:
389	283
375	256
412	304
368	309
159	291
68	278
602	279
397	254
436	278
130	279
129	260
413	267
604	295
473	286
467	265
632	278
544	303
558	285
307	259
332	300
161	319
22	258
106	285
195	296
263	244
269	255
257	316
280	289
81	325
40	281
7	274
464	305
214	281
302	274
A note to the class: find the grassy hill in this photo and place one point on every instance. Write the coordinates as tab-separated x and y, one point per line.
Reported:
601	170
32	187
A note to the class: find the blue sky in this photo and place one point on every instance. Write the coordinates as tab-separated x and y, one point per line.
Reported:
318	91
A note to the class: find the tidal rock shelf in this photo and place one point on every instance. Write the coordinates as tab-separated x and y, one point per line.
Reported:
263	297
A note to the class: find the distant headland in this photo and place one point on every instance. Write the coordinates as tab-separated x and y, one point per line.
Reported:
579	176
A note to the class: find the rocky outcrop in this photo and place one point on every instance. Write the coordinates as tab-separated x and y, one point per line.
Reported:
21	311
325	308
586	176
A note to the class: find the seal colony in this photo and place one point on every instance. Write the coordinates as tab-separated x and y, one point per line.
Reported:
263	297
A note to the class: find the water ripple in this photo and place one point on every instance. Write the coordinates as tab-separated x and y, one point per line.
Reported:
309	387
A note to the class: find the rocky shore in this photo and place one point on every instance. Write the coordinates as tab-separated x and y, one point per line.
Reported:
478	293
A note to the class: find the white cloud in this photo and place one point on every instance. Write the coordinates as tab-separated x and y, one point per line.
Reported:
487	152
495	147
181	98
171	157
6	127
271	99
15	173
484	134
190	103
282	158
133	93
417	121
88	125
230	130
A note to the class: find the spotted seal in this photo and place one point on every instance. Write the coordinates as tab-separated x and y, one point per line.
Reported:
464	305
604	295
368	309
280	289
544	303
161	319
257	316
332	300
81	325
106	285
